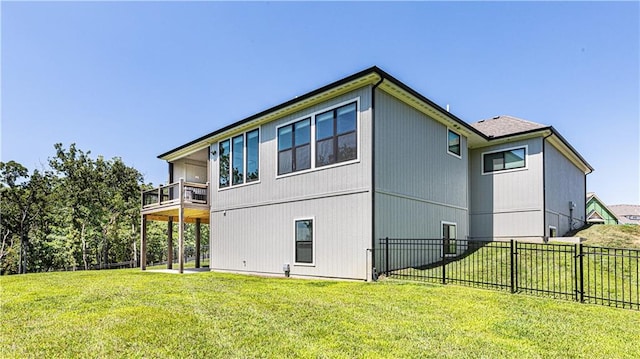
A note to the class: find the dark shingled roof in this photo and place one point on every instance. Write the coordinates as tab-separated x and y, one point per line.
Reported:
505	125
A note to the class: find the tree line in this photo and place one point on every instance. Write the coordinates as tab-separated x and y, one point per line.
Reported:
78	213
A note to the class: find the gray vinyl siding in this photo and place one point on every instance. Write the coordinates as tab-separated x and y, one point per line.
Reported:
321	181
259	221
260	239
564	183
418	184
509	203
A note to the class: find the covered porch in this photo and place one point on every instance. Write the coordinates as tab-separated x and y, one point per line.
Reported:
180	202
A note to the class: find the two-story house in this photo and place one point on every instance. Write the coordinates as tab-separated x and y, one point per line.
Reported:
314	182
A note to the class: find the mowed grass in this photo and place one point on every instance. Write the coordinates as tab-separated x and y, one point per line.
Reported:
129	313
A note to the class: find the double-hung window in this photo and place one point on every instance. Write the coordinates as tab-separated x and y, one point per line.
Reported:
336	135
304	241
294	147
239	159
504	160
449	244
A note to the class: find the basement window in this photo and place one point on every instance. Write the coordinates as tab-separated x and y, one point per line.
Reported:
304	241
449	244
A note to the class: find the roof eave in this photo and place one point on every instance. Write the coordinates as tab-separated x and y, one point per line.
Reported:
368	76
359	79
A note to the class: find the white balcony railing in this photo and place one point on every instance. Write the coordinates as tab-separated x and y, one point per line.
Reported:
176	193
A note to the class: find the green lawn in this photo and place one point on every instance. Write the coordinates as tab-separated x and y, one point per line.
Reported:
129	313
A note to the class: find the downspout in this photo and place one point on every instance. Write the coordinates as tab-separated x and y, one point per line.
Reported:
584	219
373	179
544	186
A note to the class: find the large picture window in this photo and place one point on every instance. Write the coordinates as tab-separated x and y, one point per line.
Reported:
239	159
323	138
294	147
504	160
336	135
304	241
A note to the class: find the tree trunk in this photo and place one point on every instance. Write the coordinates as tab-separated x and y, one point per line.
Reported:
84	249
133	245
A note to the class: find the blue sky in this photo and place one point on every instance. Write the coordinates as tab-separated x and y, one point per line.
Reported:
135	79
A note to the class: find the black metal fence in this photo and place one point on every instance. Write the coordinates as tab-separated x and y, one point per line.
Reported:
599	275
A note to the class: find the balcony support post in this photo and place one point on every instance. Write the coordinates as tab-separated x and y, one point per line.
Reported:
181	227
143	242
197	242
170	243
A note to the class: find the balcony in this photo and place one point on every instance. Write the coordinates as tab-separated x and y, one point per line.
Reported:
163	203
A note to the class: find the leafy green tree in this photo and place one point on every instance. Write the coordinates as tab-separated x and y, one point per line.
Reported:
23	202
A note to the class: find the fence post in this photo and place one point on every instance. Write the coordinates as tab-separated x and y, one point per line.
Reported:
386	256
581	254
444	263
512	265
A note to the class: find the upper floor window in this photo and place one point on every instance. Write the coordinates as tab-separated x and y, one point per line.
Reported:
453	145
224	150
239	159
336	135
504	160
324	138
253	155
294	147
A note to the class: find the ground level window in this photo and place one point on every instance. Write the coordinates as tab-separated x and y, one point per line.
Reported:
449	238
304	241
553	231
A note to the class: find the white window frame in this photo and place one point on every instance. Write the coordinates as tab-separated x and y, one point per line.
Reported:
442	223
312	116
313	242
555	229
244	158
447	143
526	160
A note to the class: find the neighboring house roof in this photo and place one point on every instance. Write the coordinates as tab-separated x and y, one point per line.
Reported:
627	213
594	216
506	125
